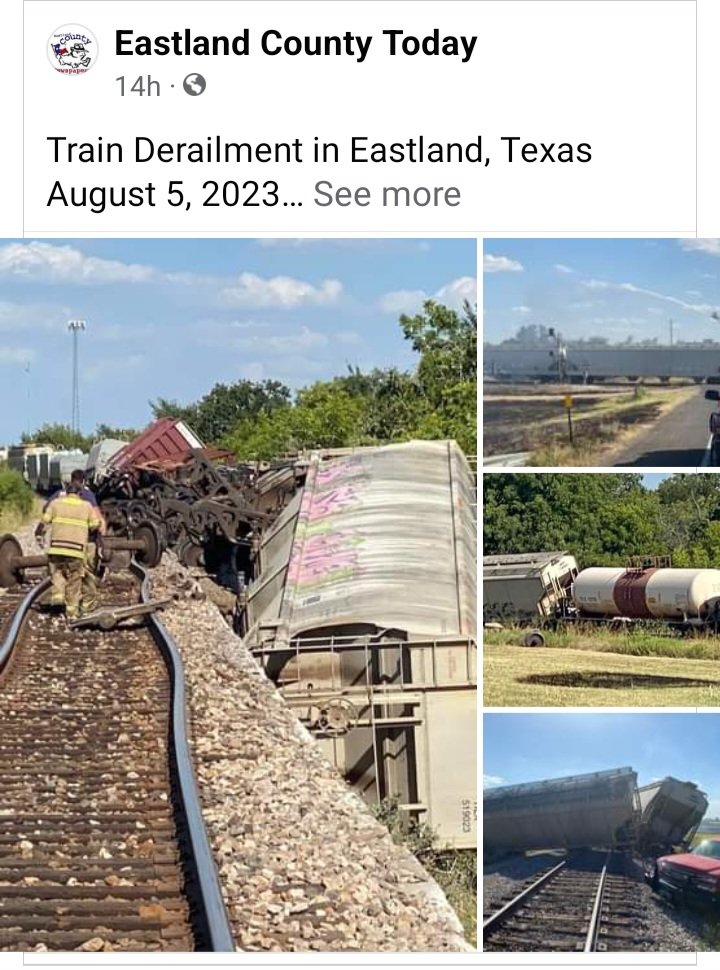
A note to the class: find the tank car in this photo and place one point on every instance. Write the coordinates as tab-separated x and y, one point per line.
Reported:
680	596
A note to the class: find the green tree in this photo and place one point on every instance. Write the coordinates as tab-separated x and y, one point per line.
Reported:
325	416
59	436
446	374
225	406
122	434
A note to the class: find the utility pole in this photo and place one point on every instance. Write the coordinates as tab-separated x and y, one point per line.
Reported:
75	327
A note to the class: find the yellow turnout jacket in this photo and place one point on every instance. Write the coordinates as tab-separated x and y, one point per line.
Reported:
70	519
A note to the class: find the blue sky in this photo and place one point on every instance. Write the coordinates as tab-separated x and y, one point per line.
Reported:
171	317
615	288
528	747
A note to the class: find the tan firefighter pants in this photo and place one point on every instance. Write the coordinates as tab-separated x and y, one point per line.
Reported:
66	574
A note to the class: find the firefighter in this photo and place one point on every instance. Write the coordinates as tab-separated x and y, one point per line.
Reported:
88	599
71	519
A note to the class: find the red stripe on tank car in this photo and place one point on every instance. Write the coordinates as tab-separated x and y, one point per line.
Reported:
629	594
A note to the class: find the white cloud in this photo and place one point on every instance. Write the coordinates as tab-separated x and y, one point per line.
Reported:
403	301
693	293
710	246
562	268
16	355
46	262
492	781
297	341
521	309
452	294
703	308
32	316
279	291
500	264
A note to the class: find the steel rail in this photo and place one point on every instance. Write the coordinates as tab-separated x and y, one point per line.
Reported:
497	918
591	938
211	920
202	877
8	644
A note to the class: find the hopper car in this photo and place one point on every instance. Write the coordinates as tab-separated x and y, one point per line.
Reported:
602	809
597	364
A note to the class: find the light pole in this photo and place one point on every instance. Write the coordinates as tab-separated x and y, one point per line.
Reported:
75	327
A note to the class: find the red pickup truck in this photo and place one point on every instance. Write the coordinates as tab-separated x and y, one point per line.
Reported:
693	875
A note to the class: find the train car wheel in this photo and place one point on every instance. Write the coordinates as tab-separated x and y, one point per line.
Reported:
149	533
10	549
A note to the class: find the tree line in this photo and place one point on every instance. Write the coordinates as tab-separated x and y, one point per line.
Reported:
262	419
604	519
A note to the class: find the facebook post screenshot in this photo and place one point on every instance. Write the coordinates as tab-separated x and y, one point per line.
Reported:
240	250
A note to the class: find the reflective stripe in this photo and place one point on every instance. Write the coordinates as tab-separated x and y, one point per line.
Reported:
64	520
66	553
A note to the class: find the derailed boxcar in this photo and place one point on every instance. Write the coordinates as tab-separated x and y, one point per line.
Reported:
364	613
597	809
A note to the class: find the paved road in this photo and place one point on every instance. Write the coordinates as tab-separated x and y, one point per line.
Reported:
679	439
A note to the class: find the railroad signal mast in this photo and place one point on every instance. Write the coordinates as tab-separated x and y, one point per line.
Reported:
75	327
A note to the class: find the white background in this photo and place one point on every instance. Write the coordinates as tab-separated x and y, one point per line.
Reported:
620	75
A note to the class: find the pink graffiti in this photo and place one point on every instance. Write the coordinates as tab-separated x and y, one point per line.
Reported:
323	557
337	500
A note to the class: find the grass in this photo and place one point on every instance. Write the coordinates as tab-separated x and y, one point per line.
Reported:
616	414
455	871
640	642
603	679
12	518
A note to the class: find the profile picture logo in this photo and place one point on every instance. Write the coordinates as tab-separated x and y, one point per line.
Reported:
72	49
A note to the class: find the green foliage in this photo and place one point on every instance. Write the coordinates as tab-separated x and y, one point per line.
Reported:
437	400
604	519
455	871
225	406
59	436
16	497
122	434
325	416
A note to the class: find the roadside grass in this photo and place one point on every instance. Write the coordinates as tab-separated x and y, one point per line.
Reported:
636	643
570	677
616	423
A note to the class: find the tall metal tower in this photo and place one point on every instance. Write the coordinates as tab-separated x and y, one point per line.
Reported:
75	327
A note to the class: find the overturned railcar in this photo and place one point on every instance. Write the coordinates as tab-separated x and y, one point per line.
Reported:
597	809
604	809
671	814
364	614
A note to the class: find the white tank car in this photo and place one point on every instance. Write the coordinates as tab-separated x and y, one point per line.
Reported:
668	594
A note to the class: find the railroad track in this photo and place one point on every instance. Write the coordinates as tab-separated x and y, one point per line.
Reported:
586	903
102	844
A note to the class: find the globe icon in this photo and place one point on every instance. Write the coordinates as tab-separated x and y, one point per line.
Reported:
194	84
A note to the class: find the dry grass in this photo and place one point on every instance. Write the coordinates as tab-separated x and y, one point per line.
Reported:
611	422
632	679
11	519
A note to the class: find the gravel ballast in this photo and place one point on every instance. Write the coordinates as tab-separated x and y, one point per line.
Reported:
668	928
303	863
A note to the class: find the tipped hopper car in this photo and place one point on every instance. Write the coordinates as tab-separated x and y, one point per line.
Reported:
601	808
604	809
671	813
